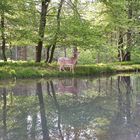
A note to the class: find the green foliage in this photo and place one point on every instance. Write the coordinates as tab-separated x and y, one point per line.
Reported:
86	57
94	69
136	54
7	72
89	26
20	22
79	32
118	20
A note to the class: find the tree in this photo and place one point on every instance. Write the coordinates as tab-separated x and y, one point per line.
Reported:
127	56
18	25
3	35
44	8
53	45
122	20
5	7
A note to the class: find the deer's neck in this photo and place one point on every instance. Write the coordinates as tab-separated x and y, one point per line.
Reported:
74	58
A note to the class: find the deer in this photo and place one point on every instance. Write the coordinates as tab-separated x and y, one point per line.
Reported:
68	62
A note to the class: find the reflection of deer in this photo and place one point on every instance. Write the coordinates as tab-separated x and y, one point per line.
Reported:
68	87
68	62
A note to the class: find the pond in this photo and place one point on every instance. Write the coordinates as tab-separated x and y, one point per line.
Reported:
101	108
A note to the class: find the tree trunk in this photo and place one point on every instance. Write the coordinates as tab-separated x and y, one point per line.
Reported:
52	53
120	46
129	35
45	4
76	15
48	53
57	31
3	36
65	51
129	43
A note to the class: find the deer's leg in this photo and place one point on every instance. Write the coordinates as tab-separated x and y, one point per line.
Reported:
72	68
60	68
63	68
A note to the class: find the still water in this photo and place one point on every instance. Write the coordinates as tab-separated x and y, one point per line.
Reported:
101	108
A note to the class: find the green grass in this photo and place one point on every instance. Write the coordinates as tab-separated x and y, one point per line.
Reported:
39	70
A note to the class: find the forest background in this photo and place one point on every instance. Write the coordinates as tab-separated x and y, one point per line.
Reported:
42	30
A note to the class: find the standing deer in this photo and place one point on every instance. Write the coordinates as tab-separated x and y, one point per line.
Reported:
68	62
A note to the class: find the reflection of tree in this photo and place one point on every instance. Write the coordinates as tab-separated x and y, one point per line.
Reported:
42	111
128	97
74	115
4	115
99	84
33	128
120	101
58	108
123	120
77	115
53	95
69	118
124	98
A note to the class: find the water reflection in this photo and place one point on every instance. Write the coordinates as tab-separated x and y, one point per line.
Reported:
125	118
68	86
42	111
4	108
105	108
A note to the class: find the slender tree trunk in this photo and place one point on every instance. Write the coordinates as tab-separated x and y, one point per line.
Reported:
48	53
98	56
129	43
3	36
52	53
10	49
58	29
76	15
65	51
129	35
75	50
44	7
120	46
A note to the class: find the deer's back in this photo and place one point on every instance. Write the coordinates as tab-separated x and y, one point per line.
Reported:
65	61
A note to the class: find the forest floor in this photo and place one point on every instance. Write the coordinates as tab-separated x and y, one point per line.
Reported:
43	70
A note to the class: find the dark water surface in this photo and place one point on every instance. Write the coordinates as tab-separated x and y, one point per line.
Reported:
103	108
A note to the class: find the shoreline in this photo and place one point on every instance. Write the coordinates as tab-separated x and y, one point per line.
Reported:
27	70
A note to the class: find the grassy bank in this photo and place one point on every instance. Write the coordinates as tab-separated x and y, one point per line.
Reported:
38	70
